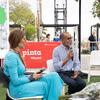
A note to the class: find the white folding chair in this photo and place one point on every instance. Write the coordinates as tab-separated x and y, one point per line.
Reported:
94	62
35	97
5	81
50	68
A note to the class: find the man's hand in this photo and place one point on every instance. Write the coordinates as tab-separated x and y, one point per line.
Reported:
75	75
70	54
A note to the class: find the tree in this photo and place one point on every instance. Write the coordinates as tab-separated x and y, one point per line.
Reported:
96	8
30	29
20	13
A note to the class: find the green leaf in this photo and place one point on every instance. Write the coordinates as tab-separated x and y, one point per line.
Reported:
96	9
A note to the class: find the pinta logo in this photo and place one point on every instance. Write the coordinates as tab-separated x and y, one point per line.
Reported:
28	52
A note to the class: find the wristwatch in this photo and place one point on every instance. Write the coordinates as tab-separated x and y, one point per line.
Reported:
31	78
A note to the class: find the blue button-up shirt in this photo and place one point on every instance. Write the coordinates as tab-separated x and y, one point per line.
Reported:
59	54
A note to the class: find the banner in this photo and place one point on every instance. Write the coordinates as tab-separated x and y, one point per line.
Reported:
36	54
4	29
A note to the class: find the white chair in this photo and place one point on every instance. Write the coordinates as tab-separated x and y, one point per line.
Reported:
5	81
35	97
50	68
94	62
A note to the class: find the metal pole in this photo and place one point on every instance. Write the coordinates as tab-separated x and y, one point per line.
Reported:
66	14
79	30
97	33
38	21
55	15
40	3
40	28
74	36
91	30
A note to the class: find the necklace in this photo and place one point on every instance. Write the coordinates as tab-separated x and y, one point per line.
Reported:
14	50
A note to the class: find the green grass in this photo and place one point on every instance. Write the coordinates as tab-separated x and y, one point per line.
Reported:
93	79
3	90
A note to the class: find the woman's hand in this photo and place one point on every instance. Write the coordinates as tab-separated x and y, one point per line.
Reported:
37	76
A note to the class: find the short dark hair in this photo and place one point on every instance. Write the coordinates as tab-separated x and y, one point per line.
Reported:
47	35
63	35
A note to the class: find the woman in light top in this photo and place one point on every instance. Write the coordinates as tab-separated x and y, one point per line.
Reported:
47	39
48	85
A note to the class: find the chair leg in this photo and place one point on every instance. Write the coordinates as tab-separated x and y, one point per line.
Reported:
63	90
89	73
7	97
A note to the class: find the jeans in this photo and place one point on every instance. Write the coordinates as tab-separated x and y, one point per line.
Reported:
92	48
74	85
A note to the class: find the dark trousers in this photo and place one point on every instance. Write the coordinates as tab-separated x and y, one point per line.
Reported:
74	85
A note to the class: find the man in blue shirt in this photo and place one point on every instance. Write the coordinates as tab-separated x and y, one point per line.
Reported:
66	63
92	41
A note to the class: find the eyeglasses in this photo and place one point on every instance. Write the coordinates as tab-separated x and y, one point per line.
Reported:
69	38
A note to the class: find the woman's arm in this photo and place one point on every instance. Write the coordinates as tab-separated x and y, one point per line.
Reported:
12	68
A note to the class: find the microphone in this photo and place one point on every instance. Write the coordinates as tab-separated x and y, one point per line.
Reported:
71	50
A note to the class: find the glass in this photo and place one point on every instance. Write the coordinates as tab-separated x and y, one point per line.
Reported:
69	38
